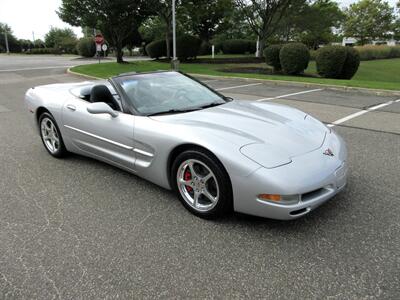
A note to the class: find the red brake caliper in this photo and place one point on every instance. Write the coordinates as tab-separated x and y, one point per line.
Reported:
187	176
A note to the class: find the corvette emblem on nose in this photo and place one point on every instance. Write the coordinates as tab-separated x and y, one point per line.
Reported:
328	152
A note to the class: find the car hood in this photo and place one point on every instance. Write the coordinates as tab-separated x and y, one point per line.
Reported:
282	130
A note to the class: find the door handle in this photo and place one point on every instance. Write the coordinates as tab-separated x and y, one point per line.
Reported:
71	107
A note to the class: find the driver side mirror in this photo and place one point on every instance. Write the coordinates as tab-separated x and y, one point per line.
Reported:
101	108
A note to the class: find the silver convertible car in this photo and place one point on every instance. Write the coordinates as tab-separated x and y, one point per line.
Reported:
216	153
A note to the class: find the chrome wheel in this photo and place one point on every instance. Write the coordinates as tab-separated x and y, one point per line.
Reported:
50	135
198	185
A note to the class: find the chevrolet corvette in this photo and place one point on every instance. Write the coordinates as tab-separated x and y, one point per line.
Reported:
218	154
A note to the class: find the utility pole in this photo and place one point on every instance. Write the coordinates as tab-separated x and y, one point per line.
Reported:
33	36
175	61
6	39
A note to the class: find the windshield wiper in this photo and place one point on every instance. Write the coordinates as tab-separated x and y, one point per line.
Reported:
178	111
173	111
211	105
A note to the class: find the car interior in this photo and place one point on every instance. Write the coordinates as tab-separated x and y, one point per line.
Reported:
98	93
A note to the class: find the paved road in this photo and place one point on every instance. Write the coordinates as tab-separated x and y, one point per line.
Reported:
80	229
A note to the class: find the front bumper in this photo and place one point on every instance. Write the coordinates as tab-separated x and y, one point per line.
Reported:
314	176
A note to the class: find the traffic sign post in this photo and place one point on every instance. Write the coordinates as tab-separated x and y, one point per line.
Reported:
99	40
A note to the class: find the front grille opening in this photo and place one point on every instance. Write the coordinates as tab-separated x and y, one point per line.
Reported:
313	194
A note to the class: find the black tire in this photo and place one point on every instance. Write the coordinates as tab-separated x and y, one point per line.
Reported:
60	151
224	202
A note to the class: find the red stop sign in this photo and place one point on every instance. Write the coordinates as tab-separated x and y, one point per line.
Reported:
99	39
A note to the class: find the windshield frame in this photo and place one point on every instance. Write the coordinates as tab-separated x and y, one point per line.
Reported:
128	105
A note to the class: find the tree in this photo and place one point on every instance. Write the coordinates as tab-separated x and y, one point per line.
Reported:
203	17
13	44
63	39
396	24
322	16
368	20
116	19
263	16
164	13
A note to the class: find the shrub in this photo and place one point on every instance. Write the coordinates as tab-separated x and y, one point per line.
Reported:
218	47
86	47
330	61
187	46
157	49
351	63
205	48
337	62
294	58
271	55
44	51
235	46
251	46
370	52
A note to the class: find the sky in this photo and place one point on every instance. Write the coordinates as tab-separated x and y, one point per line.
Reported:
27	16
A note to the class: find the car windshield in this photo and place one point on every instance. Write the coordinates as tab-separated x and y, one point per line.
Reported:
166	92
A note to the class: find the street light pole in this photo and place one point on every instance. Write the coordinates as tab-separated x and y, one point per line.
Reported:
175	62
6	40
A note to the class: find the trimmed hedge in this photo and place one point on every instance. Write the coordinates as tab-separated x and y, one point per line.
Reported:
337	62
271	54
157	49
43	51
370	52
205	48
86	47
187	46
330	61
294	58
351	63
238	46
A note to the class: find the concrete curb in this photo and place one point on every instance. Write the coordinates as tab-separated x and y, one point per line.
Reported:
83	75
376	92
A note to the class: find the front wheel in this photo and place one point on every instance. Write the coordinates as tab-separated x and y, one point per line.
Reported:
51	136
202	184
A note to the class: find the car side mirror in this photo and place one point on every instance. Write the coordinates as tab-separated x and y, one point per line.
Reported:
101	108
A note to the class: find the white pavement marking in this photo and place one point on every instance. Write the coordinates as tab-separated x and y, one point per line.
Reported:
362	112
238	86
288	95
40	68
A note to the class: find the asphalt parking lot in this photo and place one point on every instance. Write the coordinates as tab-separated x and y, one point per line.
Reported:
79	229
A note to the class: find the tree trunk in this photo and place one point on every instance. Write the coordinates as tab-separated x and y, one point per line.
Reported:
120	54
261	46
167	40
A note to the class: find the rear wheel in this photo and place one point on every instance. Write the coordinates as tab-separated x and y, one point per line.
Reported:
51	136
201	183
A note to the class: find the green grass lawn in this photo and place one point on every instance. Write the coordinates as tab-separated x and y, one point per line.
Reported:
377	74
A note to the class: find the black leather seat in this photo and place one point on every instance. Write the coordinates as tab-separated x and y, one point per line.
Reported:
101	93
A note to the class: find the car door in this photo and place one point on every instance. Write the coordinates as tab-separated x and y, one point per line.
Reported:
100	135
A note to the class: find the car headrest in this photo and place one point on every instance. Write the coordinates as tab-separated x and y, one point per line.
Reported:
101	93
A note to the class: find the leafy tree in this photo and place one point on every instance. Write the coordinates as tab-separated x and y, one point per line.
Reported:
63	39
25	45
38	43
310	22
203	17
368	20
323	15
234	26
163	9
116	19
396	24
13	44
263	16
